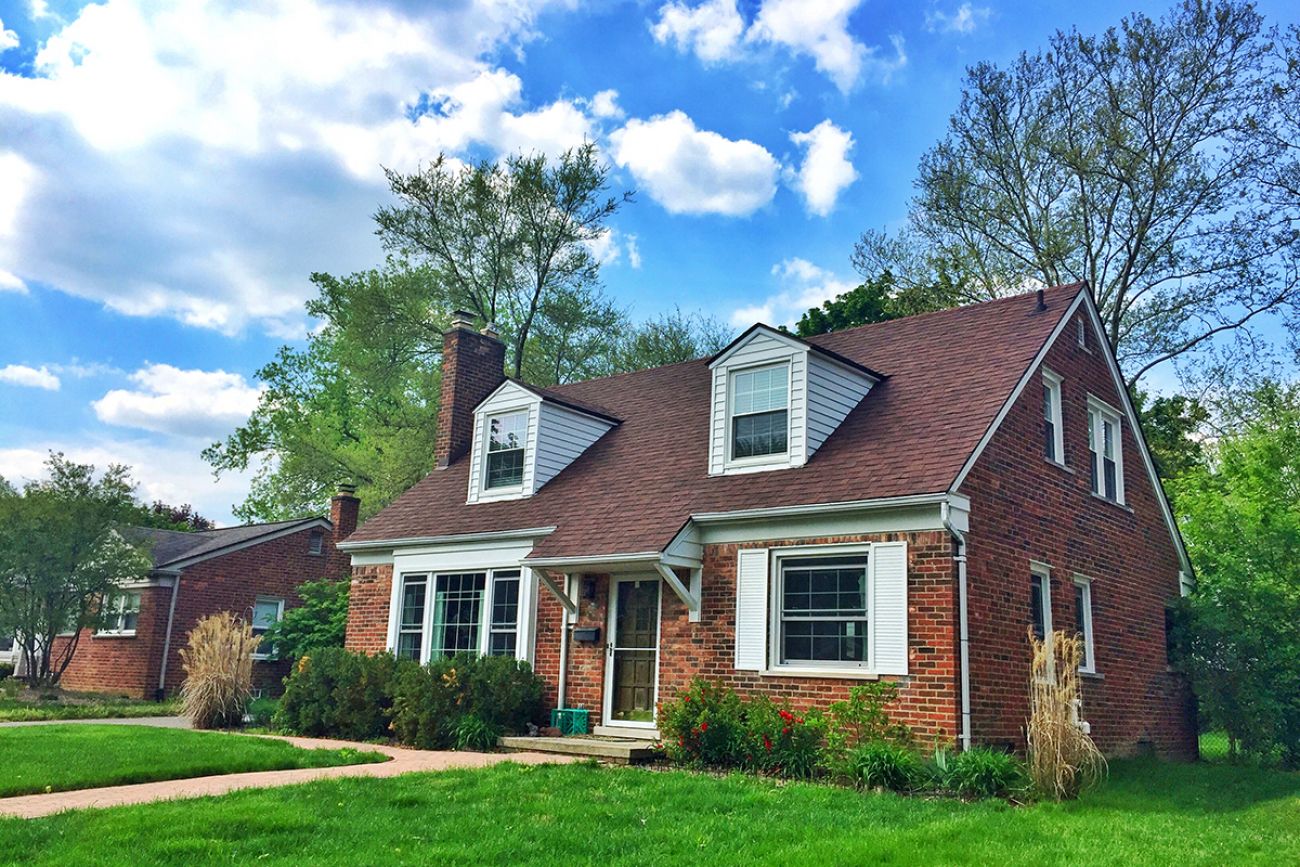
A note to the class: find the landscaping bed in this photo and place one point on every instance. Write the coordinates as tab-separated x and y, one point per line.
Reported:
27	705
61	758
1147	812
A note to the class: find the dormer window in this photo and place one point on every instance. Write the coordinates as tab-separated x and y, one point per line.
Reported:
507	434
760	416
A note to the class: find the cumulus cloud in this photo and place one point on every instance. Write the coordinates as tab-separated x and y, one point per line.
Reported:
694	171
31	377
826	170
803	286
186	403
605	105
715	32
965	19
633	252
198	160
10	282
8	39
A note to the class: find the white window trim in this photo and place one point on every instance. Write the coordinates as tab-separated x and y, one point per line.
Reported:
118	612
279	615
312	538
1044	571
399	595
504	491
776	458
1089	664
1081	334
867	669
485	609
1097	411
1053	383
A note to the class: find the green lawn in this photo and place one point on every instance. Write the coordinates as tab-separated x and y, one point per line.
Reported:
82	706
63	757
1147	813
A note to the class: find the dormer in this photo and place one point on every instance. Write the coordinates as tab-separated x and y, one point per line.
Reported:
524	437
776	399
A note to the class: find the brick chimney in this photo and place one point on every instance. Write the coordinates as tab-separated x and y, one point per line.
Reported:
473	365
343	512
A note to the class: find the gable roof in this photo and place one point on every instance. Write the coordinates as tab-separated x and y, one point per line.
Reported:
945	377
552	395
793	340
172	547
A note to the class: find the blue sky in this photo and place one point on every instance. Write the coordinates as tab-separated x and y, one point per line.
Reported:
171	172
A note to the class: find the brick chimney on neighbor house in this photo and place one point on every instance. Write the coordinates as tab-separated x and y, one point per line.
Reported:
344	507
473	365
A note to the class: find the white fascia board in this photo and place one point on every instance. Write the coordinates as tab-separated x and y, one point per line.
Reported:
432	541
592	562
830	508
752	332
305	524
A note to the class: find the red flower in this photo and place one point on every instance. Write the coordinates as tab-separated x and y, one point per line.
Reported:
767	743
785	731
686	698
704	727
681	742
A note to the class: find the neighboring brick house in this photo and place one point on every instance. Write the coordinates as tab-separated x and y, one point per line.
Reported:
253	571
899	501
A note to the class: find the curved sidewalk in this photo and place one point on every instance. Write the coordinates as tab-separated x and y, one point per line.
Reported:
402	761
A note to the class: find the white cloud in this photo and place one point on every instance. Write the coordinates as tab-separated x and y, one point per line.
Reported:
804	285
693	171
633	252
713	30
10	282
609	247
826	170
186	403
21	374
8	39
605	105
965	20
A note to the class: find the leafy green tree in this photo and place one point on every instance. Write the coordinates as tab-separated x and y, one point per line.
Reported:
877	299
61	555
163	516
1241	520
670	338
1155	160
1173	426
321	620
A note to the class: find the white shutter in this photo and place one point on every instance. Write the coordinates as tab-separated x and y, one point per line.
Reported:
751	609
889	608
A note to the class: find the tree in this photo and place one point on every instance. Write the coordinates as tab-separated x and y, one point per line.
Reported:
670	338
1241	521
162	516
321	620
1172	425
506	239
877	299
1153	161
61	556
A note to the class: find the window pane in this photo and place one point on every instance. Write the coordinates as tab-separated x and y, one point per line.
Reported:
502	644
824	641
759	390
265	613
1049	422
824	610
756	435
408	646
457	605
505	601
505	469
316	540
507	431
413	604
825	592
1037	615
1109	466
1108	438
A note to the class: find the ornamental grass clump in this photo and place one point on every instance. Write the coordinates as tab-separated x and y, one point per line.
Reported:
1063	760
218	667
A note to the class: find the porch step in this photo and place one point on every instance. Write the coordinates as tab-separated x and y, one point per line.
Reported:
623	751
627	733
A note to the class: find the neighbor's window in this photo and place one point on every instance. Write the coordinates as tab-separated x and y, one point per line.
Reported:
760	401
1081	332
457	611
505	457
410	618
1040	604
316	542
267	611
1107	470
1053	440
823	611
1083	619
120	614
505	613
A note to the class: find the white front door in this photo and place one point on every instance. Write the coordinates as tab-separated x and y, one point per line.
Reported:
632	652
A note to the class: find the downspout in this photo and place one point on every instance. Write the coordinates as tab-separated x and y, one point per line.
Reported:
564	644
963	632
167	637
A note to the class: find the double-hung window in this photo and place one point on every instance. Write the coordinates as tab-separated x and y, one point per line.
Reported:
1104	446
507	434
316	542
760	412
120	614
504	625
267	611
1053	438
1083	620
410	617
822	612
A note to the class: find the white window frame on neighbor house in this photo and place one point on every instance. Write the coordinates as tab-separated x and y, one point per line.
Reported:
316	543
486	627
1081	334
1099	413
1043	572
118	606
1053	415
776	619
1083	591
261	630
498	490
771	458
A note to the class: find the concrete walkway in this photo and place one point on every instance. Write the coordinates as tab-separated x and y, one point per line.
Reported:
162	722
402	761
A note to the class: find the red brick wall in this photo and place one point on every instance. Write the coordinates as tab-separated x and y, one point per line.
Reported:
473	365
368	603
233	582
1025	508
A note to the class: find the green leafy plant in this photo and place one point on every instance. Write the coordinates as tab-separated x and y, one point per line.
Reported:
862	718
261	712
320	621
334	693
704	725
983	773
777	740
885	765
475	733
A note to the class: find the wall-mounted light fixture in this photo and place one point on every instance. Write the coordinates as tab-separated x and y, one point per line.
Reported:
589	589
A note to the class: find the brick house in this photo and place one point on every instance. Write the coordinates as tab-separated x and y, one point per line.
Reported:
252	570
901	501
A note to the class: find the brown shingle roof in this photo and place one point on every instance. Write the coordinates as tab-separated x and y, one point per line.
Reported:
947	375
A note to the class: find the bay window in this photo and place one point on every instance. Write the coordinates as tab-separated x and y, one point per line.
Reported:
444	614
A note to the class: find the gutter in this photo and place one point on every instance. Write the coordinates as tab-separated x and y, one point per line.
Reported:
409	541
167	636
963	631
564	645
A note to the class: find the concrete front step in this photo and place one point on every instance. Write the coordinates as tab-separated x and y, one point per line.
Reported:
623	751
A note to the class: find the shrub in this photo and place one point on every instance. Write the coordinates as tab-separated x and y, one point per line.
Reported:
320	621
981	772
426	704
475	733
10	688
334	693
779	741
218	667
502	691
861	719
6	670
704	726
261	712
884	765
1062	758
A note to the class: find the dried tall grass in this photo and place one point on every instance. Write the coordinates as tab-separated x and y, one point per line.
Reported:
1063	760
218	671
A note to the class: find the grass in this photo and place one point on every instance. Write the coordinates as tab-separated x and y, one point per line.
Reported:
1147	813
31	707
60	758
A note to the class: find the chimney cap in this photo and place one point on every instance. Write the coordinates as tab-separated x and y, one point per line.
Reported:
490	330
462	319
346	490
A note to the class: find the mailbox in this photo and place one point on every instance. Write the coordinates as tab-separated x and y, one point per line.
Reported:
586	633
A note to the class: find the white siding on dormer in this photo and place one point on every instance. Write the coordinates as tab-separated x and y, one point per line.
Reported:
563	434
508	398
833	391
